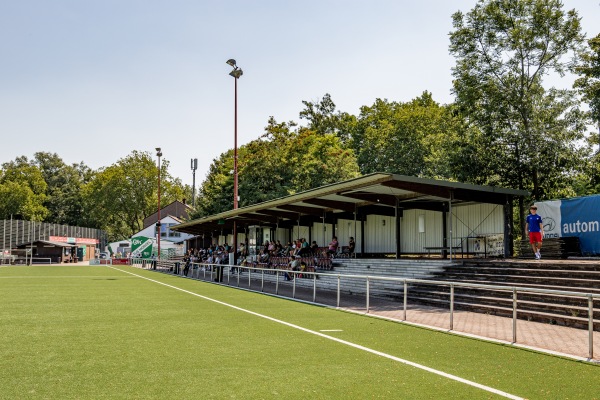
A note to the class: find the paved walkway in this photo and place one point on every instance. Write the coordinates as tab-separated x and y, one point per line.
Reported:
571	342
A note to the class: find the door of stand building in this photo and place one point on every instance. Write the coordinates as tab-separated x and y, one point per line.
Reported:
255	240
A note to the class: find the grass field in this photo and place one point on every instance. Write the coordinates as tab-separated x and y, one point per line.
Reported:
103	332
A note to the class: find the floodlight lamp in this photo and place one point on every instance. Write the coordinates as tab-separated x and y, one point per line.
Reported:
236	73
231	62
158	149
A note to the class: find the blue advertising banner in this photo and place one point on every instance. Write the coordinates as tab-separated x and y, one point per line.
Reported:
573	217
581	217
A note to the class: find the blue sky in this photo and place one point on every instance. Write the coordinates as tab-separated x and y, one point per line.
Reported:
94	80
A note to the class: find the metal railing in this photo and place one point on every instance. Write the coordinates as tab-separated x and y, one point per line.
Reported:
308	281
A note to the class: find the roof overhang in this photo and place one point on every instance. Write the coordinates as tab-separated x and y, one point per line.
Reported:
378	194
47	243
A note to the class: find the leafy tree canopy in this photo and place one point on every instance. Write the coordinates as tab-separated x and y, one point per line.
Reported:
403	138
281	162
22	190
520	134
119	197
64	198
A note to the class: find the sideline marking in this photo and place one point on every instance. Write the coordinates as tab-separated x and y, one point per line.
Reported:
356	346
331	330
66	276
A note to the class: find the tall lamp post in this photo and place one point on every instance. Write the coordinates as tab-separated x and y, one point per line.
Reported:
194	164
159	154
236	73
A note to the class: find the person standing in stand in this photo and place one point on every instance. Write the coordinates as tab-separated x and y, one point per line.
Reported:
535	228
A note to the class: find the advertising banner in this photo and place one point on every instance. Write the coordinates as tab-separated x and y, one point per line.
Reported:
495	245
141	246
551	217
578	217
72	240
581	217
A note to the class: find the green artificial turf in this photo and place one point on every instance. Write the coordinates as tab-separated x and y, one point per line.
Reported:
98	332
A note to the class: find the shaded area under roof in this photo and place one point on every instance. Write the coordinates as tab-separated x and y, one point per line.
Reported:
373	194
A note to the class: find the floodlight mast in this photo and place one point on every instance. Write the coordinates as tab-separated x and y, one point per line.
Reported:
235	73
158	224
194	166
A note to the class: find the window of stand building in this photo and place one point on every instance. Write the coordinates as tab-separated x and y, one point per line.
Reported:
165	231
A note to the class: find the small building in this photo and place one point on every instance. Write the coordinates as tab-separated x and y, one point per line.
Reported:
167	221
18	234
47	252
178	210
171	241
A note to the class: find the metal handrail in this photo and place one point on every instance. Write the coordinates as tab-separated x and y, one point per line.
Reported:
405	281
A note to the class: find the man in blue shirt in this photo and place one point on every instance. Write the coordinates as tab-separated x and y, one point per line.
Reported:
535	228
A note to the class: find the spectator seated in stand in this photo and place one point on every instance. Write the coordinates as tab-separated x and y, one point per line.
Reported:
287	250
303	268
304	249
314	248
333	247
294	265
264	258
351	247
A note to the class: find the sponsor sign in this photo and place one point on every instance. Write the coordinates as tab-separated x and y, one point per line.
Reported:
141	246
573	217
70	240
551	218
119	261
495	245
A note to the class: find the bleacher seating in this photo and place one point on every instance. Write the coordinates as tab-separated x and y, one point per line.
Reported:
577	276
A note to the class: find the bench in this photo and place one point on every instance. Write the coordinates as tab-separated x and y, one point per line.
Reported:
441	249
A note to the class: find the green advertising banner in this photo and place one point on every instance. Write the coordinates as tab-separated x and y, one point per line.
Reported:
141	246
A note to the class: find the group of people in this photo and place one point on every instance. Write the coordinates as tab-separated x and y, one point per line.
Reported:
294	250
215	254
300	247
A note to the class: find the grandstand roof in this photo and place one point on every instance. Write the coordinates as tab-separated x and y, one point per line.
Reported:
377	193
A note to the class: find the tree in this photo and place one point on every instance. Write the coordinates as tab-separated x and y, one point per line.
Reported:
19	201
120	196
215	193
403	138
64	198
22	190
281	162
266	170
321	115
589	82
588	85
316	160
503	49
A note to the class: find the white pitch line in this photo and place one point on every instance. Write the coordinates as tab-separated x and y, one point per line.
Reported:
331	330
66	276
356	346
